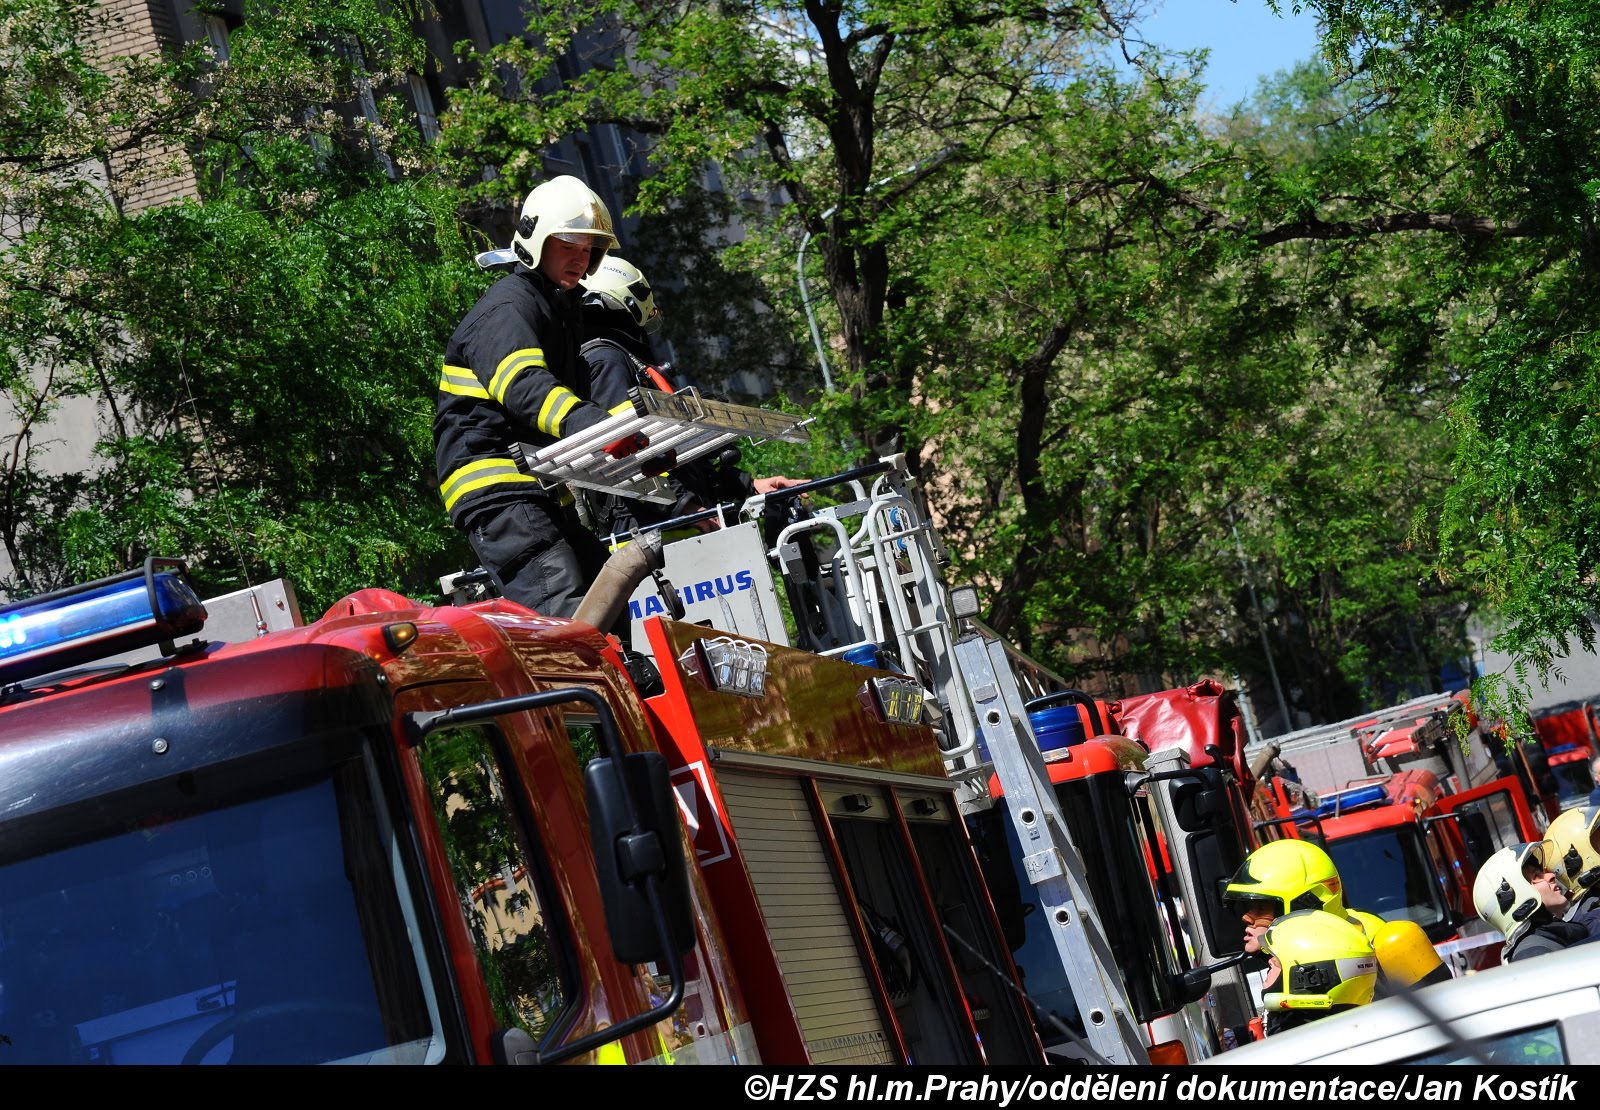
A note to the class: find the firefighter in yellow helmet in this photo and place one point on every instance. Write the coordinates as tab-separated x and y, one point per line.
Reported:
1328	965
1572	849
1283	876
1517	893
1280	878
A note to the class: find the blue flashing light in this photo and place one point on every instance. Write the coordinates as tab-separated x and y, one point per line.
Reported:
98	619
1346	801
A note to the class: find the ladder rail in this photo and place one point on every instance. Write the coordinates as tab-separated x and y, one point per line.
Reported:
1051	861
928	628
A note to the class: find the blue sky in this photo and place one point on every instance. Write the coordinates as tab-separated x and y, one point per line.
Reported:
1246	39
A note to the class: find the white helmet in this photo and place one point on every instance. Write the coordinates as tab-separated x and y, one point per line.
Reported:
620	285
1502	895
565	207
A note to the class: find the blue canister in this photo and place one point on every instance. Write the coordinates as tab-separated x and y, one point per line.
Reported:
1057	727
865	654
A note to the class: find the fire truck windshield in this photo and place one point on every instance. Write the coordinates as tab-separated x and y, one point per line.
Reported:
212	919
1389	872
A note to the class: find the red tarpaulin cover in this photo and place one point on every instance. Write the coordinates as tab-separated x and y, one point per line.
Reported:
1194	718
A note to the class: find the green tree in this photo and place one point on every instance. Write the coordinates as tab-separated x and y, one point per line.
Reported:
1501	98
260	356
1082	310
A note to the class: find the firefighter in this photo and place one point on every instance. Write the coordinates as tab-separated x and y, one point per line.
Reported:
1572	847
1328	965
512	375
1279	878
1517	893
620	315
1282	876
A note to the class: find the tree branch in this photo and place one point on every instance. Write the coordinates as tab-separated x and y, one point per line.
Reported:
1470	227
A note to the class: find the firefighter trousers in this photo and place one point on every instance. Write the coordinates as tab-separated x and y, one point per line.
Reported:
541	556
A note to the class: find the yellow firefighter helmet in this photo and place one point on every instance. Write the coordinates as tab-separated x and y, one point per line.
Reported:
1406	955
1570	849
1294	874
1327	962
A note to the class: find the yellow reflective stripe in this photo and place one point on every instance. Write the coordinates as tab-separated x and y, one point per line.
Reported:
462	382
510	366
557	404
626	406
476	475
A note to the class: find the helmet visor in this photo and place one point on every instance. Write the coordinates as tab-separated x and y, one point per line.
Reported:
1245	895
1536	857
577	238
1255	906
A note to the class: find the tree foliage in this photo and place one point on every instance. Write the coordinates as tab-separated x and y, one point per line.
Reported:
1289	389
1123	343
1503	96
258	358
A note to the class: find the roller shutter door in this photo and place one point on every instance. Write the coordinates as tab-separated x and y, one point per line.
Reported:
811	933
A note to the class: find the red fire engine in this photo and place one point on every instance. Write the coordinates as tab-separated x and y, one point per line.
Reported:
417	834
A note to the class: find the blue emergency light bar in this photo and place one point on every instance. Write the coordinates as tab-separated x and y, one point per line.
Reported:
1347	801
98	619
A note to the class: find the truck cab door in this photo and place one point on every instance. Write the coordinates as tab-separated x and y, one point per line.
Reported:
1487	818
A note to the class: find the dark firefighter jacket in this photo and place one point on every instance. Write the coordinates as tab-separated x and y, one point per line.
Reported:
512	375
1547	935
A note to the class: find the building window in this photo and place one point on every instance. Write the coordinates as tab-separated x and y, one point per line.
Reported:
217	34
422	101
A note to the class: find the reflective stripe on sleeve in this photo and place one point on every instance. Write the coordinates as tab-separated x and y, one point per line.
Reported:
557	403
510	366
461	381
626	406
476	475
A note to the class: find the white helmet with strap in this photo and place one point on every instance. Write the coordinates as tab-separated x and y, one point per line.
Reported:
1502	894
621	286
568	209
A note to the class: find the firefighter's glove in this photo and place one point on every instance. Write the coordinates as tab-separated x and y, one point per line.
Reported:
627	445
660	464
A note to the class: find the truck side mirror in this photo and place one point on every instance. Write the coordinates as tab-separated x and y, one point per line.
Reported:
1199	798
1192	984
627	857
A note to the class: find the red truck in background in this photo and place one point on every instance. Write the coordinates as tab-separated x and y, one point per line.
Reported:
1567	736
1409	848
